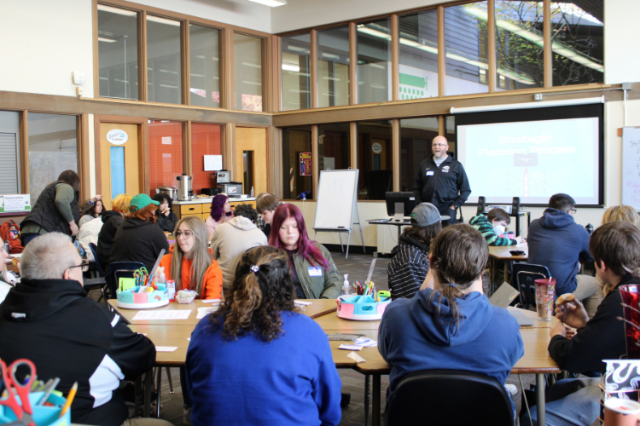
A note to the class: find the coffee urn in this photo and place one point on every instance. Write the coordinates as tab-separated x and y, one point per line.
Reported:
184	187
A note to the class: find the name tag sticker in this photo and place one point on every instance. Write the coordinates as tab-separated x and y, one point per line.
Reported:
430	173
315	272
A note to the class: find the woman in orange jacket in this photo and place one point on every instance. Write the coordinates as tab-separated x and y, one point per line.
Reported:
189	261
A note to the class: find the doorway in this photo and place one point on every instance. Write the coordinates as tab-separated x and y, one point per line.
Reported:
118	164
250	159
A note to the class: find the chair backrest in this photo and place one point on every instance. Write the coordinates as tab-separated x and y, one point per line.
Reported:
525	275
121	269
94	251
449	397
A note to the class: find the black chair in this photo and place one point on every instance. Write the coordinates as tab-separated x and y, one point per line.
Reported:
96	276
448	398
121	270
523	278
94	251
482	205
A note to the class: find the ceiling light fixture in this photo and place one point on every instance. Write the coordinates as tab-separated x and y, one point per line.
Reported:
271	3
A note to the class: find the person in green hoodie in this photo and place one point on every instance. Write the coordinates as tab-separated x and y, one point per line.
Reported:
313	272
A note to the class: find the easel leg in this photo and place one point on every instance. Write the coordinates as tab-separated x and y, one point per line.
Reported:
341	246
348	242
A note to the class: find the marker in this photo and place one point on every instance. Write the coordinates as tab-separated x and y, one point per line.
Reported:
72	394
48	391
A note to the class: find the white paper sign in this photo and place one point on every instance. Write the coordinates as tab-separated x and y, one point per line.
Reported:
212	163
166	140
15	203
166	348
178	314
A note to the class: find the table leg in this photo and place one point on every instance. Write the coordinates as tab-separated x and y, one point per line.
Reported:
146	398
159	387
540	391
366	400
492	273
375	402
399	232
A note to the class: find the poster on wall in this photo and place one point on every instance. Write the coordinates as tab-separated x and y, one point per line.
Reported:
15	203
305	164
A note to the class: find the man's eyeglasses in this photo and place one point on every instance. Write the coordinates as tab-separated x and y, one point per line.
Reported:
573	211
228	214
84	265
439	144
186	234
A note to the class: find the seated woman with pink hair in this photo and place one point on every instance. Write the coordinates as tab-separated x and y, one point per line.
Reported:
314	274
220	213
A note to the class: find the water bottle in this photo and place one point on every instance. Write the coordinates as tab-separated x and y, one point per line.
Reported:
589	228
252	192
346	287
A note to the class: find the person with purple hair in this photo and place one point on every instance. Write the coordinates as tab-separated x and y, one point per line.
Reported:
314	274
220	213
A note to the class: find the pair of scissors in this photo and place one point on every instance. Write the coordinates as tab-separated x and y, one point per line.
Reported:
23	412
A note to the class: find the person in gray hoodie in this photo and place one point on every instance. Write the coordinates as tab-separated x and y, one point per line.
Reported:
559	243
233	238
451	325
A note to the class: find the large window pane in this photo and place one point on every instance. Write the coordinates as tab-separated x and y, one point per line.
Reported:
53	148
10	152
450	133
205	140
297	162
466	48
577	42
416	135
204	59
418	55
334	147
333	67
247	60
519	44
165	153
164	69
375	159
374	61
118	52
296	72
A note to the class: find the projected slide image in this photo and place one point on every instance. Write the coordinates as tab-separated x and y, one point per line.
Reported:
532	160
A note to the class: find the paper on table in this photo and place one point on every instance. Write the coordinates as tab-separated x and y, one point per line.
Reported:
178	314
365	342
212	301
166	348
350	347
301	302
357	358
203	312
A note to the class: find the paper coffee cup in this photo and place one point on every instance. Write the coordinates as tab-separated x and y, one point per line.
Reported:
621	412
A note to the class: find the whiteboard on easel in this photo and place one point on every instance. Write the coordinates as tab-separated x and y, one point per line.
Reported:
337	195
631	167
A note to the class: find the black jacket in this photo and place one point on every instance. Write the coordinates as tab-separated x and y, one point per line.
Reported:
166	223
446	186
67	335
111	222
602	338
139	241
45	213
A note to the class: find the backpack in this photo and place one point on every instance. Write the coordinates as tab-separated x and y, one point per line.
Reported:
10	233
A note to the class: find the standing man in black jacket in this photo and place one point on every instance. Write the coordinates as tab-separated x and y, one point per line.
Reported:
615	248
442	181
49	319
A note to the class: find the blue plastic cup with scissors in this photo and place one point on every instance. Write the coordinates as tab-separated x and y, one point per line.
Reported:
22	409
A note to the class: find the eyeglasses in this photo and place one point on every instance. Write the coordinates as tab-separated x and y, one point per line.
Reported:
439	144
84	265
573	211
186	234
228	214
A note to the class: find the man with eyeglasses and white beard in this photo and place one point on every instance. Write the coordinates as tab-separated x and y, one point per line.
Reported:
442	181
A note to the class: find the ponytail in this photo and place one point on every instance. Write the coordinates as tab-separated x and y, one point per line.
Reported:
262	292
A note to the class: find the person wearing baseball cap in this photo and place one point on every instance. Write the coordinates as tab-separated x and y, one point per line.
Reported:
410	263
138	238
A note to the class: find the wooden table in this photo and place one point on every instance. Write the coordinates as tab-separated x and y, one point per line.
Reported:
536	359
317	308
498	253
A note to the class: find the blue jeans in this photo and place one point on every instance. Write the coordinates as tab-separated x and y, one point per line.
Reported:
570	402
